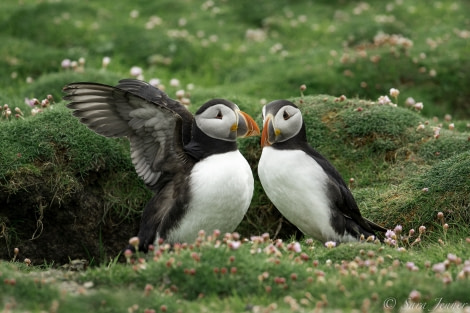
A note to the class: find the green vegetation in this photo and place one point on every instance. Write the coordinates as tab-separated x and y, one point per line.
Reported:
67	193
222	273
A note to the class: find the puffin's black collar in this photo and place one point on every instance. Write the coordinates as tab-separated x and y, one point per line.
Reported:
201	145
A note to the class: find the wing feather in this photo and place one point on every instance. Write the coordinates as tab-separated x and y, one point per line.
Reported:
151	120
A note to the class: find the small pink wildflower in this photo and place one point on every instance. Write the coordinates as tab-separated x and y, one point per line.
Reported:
384	100
234	245
418	106
414	296
134	241
398	229
297	247
66	63
452	258
330	244
390	234
439	267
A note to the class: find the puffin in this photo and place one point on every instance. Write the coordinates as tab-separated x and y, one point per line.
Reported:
302	184
191	163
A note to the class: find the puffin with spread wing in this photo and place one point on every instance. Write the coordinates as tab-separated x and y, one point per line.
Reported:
302	184
192	164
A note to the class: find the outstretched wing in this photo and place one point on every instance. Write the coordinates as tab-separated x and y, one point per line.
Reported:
152	126
153	94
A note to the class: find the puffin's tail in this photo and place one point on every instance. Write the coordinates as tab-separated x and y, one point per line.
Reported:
375	226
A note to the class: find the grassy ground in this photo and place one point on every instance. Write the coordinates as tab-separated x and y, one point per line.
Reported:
408	163
227	274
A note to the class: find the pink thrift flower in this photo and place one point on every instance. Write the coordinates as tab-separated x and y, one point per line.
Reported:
330	244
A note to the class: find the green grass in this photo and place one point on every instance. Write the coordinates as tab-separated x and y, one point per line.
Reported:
51	165
260	275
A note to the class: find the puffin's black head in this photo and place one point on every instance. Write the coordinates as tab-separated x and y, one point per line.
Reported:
222	119
217	125
282	121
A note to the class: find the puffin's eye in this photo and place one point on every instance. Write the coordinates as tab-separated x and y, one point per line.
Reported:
219	115
286	115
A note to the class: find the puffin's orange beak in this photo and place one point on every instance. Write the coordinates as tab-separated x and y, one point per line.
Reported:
246	126
264	134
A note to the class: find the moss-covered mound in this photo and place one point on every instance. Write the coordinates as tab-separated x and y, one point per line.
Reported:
66	192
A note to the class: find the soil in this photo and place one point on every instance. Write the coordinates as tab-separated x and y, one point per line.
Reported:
53	229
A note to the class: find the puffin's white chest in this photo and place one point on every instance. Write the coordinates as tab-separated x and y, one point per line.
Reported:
297	185
221	189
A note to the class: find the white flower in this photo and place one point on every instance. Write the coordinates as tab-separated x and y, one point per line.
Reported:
134	14
394	92
136	71
410	102
185	101
437	130
180	93
154	82
257	35
174	82
106	61
134	241
35	111
384	100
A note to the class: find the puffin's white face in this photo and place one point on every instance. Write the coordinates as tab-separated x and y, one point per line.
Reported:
280	122
225	122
